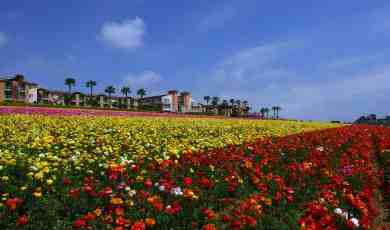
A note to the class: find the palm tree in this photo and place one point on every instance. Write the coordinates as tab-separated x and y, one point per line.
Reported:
274	108
141	93
245	103
238	102
90	84
215	101
263	111
125	91
110	90
277	109
232	101
225	104
207	99
70	82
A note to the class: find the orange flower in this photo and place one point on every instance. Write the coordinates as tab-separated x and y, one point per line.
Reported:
248	164
268	201
150	222
209	227
116	201
98	212
188	193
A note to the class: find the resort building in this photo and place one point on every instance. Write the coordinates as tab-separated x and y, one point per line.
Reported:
173	101
16	89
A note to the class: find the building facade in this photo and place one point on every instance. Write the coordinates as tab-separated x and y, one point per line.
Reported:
17	89
173	101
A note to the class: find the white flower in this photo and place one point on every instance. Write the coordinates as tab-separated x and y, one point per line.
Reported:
127	188
320	148
161	188
177	191
355	222
338	211
132	193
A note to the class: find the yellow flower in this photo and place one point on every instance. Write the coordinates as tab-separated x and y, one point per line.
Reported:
38	176
49	181
116	201
37	194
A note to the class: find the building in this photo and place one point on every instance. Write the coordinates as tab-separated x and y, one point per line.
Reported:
17	89
173	101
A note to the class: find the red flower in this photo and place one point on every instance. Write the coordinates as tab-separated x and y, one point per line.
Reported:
105	192
89	216
66	181
138	225
187	181
122	221
79	224
22	220
226	218
13	203
148	183
74	193
173	209
210	214
205	182
236	224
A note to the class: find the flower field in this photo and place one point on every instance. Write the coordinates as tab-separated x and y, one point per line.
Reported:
78	172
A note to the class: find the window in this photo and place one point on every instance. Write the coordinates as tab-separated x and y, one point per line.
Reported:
8	85
8	95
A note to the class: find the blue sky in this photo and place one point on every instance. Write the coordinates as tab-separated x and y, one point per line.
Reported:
322	60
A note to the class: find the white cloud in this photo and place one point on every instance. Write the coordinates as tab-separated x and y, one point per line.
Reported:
128	34
3	39
146	79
